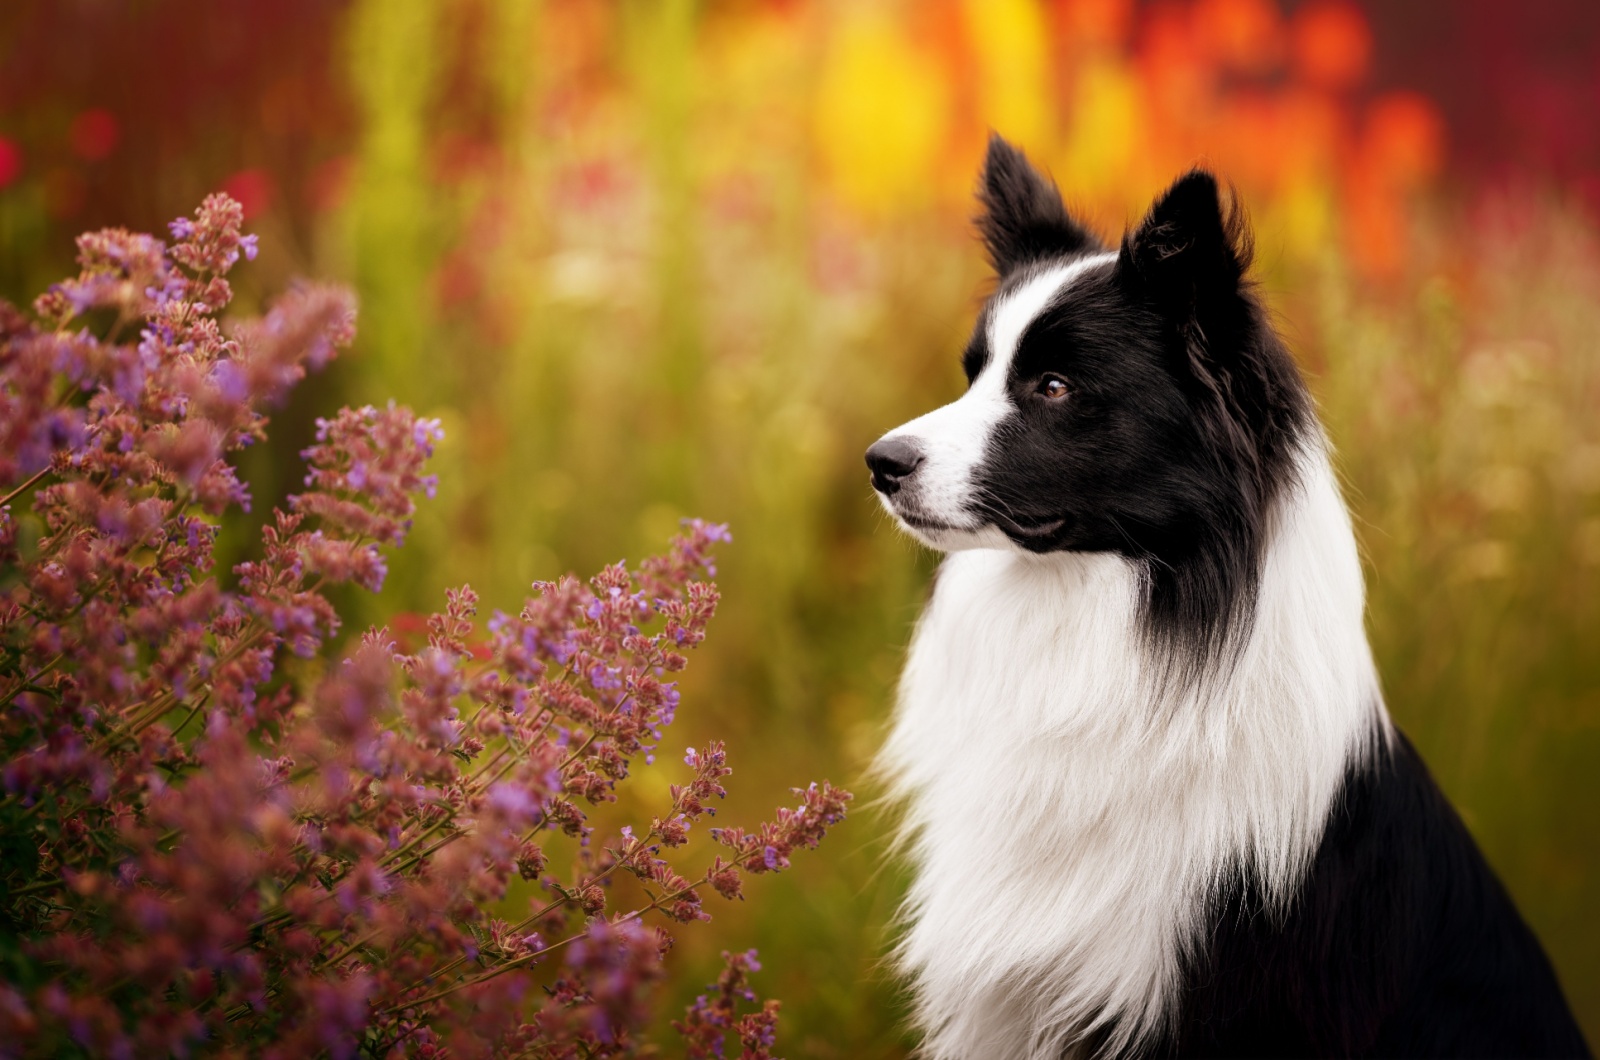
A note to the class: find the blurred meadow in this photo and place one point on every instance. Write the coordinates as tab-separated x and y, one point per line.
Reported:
653	258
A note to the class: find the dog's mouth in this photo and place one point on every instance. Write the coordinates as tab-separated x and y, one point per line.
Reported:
1029	530
920	522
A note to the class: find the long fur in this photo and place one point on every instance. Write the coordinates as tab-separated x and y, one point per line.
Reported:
1070	822
1153	799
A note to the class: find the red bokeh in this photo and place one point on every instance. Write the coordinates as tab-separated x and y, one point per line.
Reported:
253	188
10	162
1518	85
94	134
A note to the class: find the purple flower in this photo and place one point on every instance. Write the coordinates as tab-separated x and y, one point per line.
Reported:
314	854
425	433
513	802
230	382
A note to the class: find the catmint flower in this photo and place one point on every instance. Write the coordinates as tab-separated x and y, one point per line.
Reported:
305	859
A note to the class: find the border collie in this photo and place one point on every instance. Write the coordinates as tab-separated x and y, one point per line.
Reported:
1153	799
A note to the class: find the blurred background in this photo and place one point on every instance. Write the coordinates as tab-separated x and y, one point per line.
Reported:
657	258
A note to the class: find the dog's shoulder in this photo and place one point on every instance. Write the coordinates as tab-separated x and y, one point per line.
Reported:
1400	942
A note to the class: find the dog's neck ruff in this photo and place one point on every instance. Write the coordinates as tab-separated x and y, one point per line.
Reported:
1070	813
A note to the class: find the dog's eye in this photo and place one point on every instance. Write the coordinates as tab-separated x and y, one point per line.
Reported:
1053	387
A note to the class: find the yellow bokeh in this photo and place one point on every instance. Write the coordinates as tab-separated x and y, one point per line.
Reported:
881	112
1100	149
1010	43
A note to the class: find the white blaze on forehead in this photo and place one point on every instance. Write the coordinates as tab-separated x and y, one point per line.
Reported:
953	438
1021	307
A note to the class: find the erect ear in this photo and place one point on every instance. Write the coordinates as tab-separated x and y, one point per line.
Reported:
1023	217
1189	255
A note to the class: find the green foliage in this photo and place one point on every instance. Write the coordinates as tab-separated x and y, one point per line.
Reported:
1462	405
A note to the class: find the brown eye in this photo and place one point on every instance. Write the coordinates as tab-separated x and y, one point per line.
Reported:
1053	387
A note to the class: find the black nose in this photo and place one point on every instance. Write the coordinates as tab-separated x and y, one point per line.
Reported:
891	460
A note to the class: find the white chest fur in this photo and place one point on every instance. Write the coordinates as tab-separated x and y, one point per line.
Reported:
1066	822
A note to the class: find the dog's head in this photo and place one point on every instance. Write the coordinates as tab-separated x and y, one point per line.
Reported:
1133	400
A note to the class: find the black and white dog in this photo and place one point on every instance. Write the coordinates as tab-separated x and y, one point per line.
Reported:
1154	800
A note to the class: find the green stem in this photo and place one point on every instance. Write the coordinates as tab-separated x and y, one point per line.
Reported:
187	718
27	483
528	958
35	888
32	680
535	917
440	845
158	707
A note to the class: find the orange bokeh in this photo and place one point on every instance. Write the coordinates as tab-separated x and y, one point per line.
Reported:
1404	138
1332	44
1246	36
1118	101
1093	24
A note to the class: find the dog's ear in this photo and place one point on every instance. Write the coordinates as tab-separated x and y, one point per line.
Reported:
1188	260
1189	255
1023	216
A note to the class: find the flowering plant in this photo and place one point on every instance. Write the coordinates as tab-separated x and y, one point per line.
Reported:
201	850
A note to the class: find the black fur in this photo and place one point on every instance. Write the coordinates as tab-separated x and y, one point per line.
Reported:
1400	943
1023	218
1183	408
1175	439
